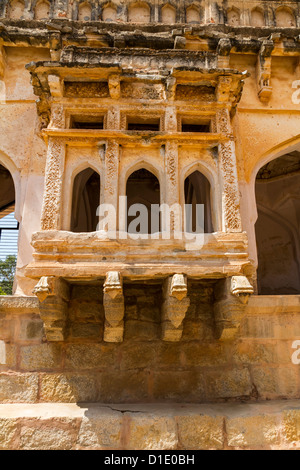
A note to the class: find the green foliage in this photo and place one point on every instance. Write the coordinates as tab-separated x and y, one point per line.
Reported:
7	274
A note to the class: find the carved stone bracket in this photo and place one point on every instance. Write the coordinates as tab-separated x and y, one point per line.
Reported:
263	71
114	86
56	86
53	294
175	306
231	295
113	301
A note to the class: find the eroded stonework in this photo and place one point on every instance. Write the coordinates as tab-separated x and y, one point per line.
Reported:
178	103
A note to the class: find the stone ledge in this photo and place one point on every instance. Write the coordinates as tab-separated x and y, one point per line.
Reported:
272	425
18	304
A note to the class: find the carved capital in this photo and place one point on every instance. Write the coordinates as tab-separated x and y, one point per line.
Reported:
231	296
113	301
175	306
53	294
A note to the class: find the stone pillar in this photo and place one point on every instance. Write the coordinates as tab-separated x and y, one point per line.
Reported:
54	295
231	218
175	306
231	296
51	212
113	301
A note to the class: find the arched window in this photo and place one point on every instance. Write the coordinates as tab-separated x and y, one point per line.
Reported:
285	18
85	201
257	18
84	12
109	13
197	191
233	17
139	13
278	226
42	10
9	229
192	15
16	10
143	189
168	14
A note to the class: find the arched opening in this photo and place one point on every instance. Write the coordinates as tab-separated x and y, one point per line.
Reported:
197	191
16	10
139	13
168	14
9	231
257	18
84	12
233	17
192	15
109	14
277	228
42	11
85	201
143	188
285	18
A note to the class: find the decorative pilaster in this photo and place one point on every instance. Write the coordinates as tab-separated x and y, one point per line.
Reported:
113	301
171	182
227	172
53	294
223	50
175	306
231	296
51	212
114	86
111	182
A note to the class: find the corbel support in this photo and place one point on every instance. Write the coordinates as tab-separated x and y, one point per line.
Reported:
175	306
113	301
263	71
53	294
224	89
223	51
114	86
56	86
171	84
232	295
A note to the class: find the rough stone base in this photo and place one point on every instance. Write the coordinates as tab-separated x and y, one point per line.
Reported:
274	425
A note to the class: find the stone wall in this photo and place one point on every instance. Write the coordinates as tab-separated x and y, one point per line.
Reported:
144	369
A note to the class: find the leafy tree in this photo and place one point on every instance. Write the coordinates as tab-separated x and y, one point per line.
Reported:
7	274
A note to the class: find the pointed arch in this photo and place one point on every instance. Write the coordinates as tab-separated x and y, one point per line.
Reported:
139	12
233	16
16	9
168	14
85	200
257	17
42	10
285	17
84	12
193	14
109	12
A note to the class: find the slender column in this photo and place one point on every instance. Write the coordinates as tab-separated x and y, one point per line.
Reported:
171	184
51	212
228	176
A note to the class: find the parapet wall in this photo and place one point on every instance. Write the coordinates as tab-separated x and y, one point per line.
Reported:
144	369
